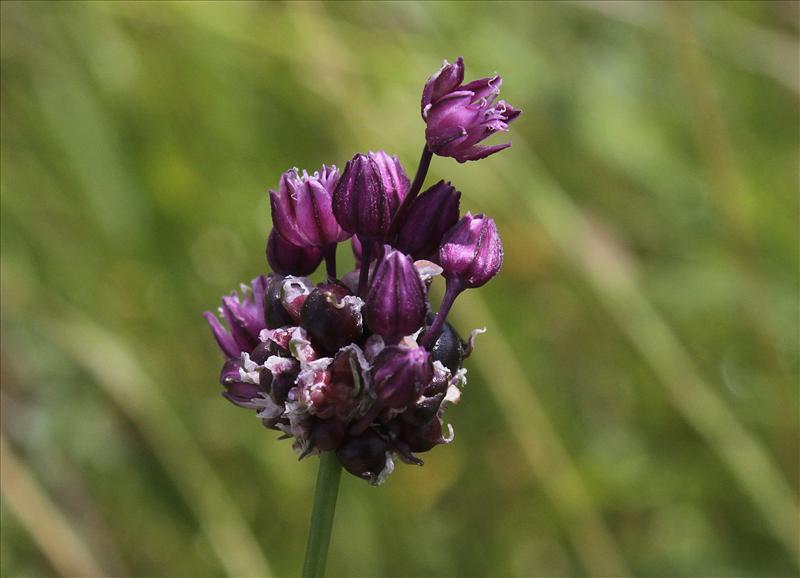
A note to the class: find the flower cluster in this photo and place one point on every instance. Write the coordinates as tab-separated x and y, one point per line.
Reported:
361	364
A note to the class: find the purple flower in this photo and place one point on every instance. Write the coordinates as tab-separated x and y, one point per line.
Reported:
459	116
395	304
368	194
360	365
332	392
286	258
471	251
238	392
428	219
301	208
244	316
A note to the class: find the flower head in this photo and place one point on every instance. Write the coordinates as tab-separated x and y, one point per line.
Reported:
459	116
360	365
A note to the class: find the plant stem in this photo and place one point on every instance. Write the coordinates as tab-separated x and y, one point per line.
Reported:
453	288
366	257
319	534
416	186
330	261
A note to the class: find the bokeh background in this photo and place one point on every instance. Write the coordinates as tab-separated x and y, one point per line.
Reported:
633	409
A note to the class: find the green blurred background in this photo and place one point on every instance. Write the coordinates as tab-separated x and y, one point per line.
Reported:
633	409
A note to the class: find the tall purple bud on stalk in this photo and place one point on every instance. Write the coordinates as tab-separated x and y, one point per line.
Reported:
470	255
302	212
459	116
371	189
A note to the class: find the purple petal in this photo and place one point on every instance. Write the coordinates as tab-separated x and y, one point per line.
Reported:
478	152
445	80
224	339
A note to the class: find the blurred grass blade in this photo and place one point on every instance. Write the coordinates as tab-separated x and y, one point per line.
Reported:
58	540
732	198
540	442
611	275
119	374
770	53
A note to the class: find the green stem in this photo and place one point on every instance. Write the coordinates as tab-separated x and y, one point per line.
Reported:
319	535
413	191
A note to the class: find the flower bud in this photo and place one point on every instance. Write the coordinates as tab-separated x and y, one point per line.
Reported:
244	316
369	192
396	301
367	456
427	220
471	251
459	116
332	317
301	208
399	375
237	391
288	259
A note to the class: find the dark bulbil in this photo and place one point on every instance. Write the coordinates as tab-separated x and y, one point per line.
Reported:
364	455
423	438
332	317
448	348
423	411
275	314
327	434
